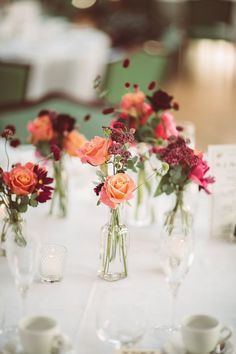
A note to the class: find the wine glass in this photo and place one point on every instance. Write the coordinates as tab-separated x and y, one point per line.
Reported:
22	260
122	317
177	252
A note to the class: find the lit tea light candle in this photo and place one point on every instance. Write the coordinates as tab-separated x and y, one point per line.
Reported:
52	263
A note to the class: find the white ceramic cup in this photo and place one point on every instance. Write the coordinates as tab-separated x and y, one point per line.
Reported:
202	333
40	335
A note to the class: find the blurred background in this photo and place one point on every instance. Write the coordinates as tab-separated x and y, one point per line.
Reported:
51	52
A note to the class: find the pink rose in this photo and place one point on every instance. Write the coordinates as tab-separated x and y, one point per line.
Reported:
117	189
166	127
197	174
95	151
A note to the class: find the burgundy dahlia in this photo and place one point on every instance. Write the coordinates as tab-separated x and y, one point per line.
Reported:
160	100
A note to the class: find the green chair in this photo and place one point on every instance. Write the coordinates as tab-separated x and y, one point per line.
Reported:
20	115
143	69
13	82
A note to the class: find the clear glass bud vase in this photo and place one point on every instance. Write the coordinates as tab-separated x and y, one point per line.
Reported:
179	216
114	248
59	201
140	211
12	225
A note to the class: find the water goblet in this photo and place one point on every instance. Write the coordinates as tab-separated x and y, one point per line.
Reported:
22	260
122	318
177	251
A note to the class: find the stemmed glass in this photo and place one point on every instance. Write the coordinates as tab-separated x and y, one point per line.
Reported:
177	251
22	261
122	318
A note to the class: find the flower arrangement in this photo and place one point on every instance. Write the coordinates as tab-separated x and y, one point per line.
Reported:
21	186
185	166
54	135
152	119
114	188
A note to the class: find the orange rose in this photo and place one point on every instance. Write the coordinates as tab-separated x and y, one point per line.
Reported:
117	189
133	105
41	129
95	151
73	141
21	179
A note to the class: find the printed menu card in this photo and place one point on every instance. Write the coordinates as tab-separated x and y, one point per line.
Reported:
222	159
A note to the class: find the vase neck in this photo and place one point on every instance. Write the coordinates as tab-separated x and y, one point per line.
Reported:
116	216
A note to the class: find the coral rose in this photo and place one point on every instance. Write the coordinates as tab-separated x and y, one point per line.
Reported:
117	189
21	179
73	141
41	129
166	127
95	151
132	104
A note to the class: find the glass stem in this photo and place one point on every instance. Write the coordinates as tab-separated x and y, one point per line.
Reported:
23	299
174	293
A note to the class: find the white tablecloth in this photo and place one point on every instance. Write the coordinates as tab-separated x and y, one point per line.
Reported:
63	57
208	288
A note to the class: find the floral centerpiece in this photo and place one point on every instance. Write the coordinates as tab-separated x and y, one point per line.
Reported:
21	186
114	188
185	166
151	117
55	135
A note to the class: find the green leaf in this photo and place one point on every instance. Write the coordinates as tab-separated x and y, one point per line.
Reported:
33	196
24	199
33	203
22	208
98	202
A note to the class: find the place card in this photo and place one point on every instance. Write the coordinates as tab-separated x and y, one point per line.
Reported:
136	351
222	160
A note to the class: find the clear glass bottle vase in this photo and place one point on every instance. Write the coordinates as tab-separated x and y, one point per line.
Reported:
59	201
13	226
140	211
114	248
179	216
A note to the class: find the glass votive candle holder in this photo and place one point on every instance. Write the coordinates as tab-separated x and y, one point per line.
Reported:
52	262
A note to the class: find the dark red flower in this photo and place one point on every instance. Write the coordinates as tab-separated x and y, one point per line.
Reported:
160	100
64	123
87	117
43	112
126	63
127	84
177	152
108	110
98	188
42	187
179	128
175	106
118	125
56	152
136	86
115	149
8	131
152	85
15	142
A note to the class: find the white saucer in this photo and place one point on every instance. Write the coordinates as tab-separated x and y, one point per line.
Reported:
14	346
176	346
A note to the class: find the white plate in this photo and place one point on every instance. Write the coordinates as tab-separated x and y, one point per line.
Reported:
176	346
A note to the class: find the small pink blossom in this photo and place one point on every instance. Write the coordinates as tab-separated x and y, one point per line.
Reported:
197	175
166	127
